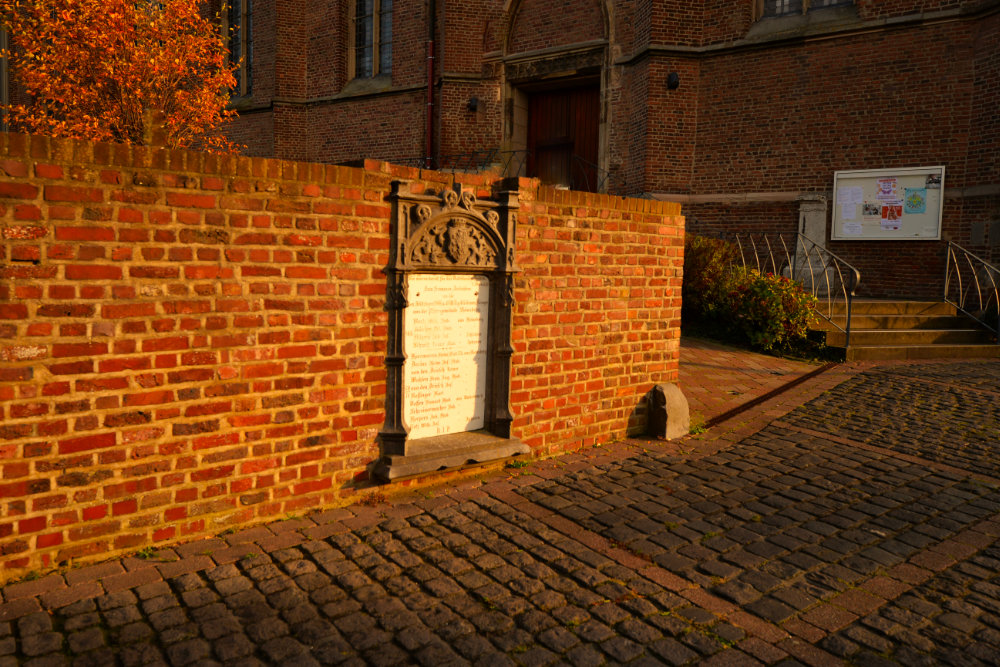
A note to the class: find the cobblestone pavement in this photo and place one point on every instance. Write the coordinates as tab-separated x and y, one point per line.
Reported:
807	541
944	413
465	582
953	618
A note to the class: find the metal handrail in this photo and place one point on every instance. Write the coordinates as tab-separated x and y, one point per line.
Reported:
978	289
509	163
585	167
829	278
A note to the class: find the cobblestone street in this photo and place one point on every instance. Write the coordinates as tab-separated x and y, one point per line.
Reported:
854	518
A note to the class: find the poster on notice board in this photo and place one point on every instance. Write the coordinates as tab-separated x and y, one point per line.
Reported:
888	204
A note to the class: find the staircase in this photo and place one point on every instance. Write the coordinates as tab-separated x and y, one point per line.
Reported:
882	330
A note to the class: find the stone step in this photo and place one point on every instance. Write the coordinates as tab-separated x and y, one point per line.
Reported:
891	352
897	337
908	329
859	322
886	307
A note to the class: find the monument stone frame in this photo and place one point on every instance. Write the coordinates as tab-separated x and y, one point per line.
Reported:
450	234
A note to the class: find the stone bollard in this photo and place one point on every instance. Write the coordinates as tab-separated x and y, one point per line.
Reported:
669	416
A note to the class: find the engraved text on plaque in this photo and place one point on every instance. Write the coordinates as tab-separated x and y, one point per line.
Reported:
445	342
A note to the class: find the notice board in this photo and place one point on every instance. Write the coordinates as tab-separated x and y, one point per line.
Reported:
888	204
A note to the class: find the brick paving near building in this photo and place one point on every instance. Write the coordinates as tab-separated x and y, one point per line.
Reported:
786	535
716	378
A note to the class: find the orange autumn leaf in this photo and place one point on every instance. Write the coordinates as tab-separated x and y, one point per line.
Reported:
95	68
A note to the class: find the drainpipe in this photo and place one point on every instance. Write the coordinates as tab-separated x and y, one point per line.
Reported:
429	136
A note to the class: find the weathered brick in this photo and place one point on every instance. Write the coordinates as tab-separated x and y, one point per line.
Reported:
86	443
14	190
65	193
190	200
85	234
78	349
24	232
93	272
13	311
120	311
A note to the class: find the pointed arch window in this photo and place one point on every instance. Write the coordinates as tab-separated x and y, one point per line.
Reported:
239	26
792	7
4	81
371	38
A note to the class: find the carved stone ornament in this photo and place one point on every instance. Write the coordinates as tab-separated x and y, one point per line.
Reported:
396	293
456	241
518	68
452	230
493	218
508	292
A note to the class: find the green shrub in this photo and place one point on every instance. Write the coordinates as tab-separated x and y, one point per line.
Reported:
771	312
708	277
765	311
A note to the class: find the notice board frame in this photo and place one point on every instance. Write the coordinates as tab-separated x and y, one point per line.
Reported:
915	222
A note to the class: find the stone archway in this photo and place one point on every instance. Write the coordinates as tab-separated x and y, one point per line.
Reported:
553	56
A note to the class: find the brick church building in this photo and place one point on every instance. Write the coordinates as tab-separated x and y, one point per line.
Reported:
741	111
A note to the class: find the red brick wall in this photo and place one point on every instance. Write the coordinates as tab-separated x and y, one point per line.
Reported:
880	9
462	131
672	125
327	49
768	122
984	144
770	218
726	20
190	342
265	53
681	22
543	24
467	30
984	162
597	314
627	143
409	42
255	130
380	127
294	138
291	35
632	24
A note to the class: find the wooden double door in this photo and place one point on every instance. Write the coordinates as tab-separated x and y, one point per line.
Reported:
563	137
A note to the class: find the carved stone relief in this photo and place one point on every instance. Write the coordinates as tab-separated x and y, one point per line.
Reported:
588	61
456	241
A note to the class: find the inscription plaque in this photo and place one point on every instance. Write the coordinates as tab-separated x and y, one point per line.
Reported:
445	330
449	295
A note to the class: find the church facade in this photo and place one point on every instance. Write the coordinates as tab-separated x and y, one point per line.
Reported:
741	111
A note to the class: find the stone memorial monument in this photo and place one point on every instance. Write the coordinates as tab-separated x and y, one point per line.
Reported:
449	293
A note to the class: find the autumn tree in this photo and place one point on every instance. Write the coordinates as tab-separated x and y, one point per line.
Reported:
94	69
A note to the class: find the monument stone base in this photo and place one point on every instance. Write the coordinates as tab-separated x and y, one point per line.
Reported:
447	451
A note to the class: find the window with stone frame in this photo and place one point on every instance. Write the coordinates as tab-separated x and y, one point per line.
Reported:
238	24
4	81
767	8
371	38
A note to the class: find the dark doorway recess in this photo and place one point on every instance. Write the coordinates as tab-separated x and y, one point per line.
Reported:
563	131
